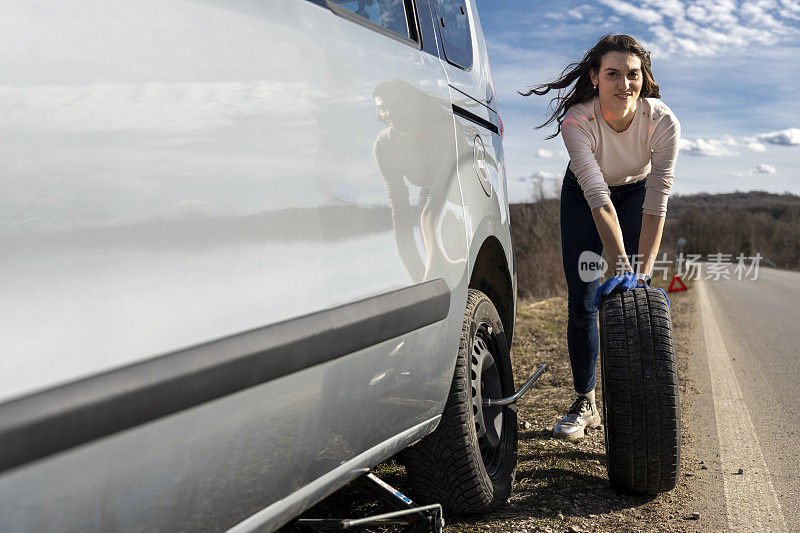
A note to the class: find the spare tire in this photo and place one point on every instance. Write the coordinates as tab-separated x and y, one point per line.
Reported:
468	463
641	404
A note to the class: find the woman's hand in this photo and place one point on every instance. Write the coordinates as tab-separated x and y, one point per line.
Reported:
624	282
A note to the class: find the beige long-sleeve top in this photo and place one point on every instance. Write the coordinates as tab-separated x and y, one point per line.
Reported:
600	156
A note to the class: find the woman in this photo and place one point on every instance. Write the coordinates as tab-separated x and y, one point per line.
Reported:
622	143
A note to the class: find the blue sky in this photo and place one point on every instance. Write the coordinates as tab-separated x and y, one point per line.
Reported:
730	70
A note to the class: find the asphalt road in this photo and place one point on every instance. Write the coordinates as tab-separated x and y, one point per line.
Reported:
752	345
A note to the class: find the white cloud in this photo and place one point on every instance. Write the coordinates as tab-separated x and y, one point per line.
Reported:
573	14
549	154
761	168
755	146
668	8
540	175
697	13
791	9
787	137
725	146
648	16
711	147
711	27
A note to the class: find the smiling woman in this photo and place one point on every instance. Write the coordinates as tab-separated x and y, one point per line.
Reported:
622	142
584	75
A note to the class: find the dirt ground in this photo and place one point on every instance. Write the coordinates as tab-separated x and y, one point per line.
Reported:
562	486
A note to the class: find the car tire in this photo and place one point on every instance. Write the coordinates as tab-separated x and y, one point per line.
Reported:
466	464
641	404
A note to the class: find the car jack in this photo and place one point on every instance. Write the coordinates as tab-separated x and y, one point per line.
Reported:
412	517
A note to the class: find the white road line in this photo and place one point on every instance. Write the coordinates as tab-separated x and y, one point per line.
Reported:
751	500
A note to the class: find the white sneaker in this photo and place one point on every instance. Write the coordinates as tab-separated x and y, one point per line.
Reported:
581	415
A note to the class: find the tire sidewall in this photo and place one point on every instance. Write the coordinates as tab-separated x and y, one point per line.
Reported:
502	482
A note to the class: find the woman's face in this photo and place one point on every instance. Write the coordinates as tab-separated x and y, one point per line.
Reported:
619	82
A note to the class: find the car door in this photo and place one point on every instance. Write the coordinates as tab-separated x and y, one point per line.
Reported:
234	253
479	129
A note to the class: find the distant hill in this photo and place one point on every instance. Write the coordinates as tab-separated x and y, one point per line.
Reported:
755	201
750	223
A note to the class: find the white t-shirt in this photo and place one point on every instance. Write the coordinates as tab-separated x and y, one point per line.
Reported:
599	156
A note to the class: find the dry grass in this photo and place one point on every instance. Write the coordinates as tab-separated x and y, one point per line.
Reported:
537	244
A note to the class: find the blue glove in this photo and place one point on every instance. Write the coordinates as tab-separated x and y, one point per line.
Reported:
624	282
664	293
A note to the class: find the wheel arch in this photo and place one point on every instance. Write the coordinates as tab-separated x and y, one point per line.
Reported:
491	275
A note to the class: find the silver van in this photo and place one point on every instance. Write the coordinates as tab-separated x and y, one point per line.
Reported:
248	248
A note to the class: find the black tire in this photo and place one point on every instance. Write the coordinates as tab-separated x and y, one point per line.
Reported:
641	403
466	467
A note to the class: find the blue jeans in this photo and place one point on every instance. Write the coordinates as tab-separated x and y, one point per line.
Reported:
579	233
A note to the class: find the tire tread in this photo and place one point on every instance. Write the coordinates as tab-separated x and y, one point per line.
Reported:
640	392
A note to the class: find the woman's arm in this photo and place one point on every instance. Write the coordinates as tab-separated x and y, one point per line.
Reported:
579	140
650	241
605	218
664	145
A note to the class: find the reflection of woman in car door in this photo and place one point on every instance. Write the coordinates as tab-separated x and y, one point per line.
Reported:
418	146
622	143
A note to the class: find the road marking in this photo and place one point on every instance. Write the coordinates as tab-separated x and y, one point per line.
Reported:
751	500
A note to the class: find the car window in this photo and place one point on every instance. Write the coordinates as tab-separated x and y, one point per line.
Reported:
390	14
455	32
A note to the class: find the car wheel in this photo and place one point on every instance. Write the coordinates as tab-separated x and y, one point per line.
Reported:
641	406
468	463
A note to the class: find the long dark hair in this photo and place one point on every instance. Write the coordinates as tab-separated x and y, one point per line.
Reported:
578	73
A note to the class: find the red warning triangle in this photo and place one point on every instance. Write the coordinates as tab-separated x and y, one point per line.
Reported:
672	287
